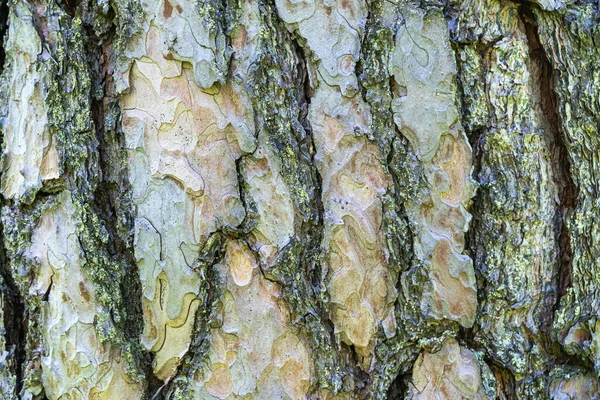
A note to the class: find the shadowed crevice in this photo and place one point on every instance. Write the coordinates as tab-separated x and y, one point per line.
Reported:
506	388
111	197
206	318
398	389
394	355
4	11
15	323
567	191
11	301
280	91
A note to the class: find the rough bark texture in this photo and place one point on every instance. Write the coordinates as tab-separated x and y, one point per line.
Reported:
277	199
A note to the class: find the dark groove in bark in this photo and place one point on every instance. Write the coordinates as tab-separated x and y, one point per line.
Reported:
477	137
4	11
506	388
111	195
110	199
14	315
398	389
476	131
13	303
71	6
278	89
89	153
393	356
307	147
206	318
568	192
18	223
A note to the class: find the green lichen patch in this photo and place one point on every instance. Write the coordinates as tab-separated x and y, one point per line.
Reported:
18	225
70	100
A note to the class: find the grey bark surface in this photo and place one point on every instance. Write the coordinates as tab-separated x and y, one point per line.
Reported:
276	199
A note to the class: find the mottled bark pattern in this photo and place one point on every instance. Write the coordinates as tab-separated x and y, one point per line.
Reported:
277	199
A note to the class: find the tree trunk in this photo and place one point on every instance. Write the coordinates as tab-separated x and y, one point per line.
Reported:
300	199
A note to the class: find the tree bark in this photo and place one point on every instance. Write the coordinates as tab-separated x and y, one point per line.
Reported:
282	199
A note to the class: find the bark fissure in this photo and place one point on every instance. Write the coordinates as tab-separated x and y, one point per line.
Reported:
568	192
11	300
111	200
289	133
15	323
506	386
476	134
311	255
4	10
207	317
393	354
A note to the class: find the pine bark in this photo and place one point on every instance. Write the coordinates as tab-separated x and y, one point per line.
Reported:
276	199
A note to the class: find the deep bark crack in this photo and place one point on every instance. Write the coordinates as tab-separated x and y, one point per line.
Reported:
206	318
11	299
14	316
567	191
4	11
